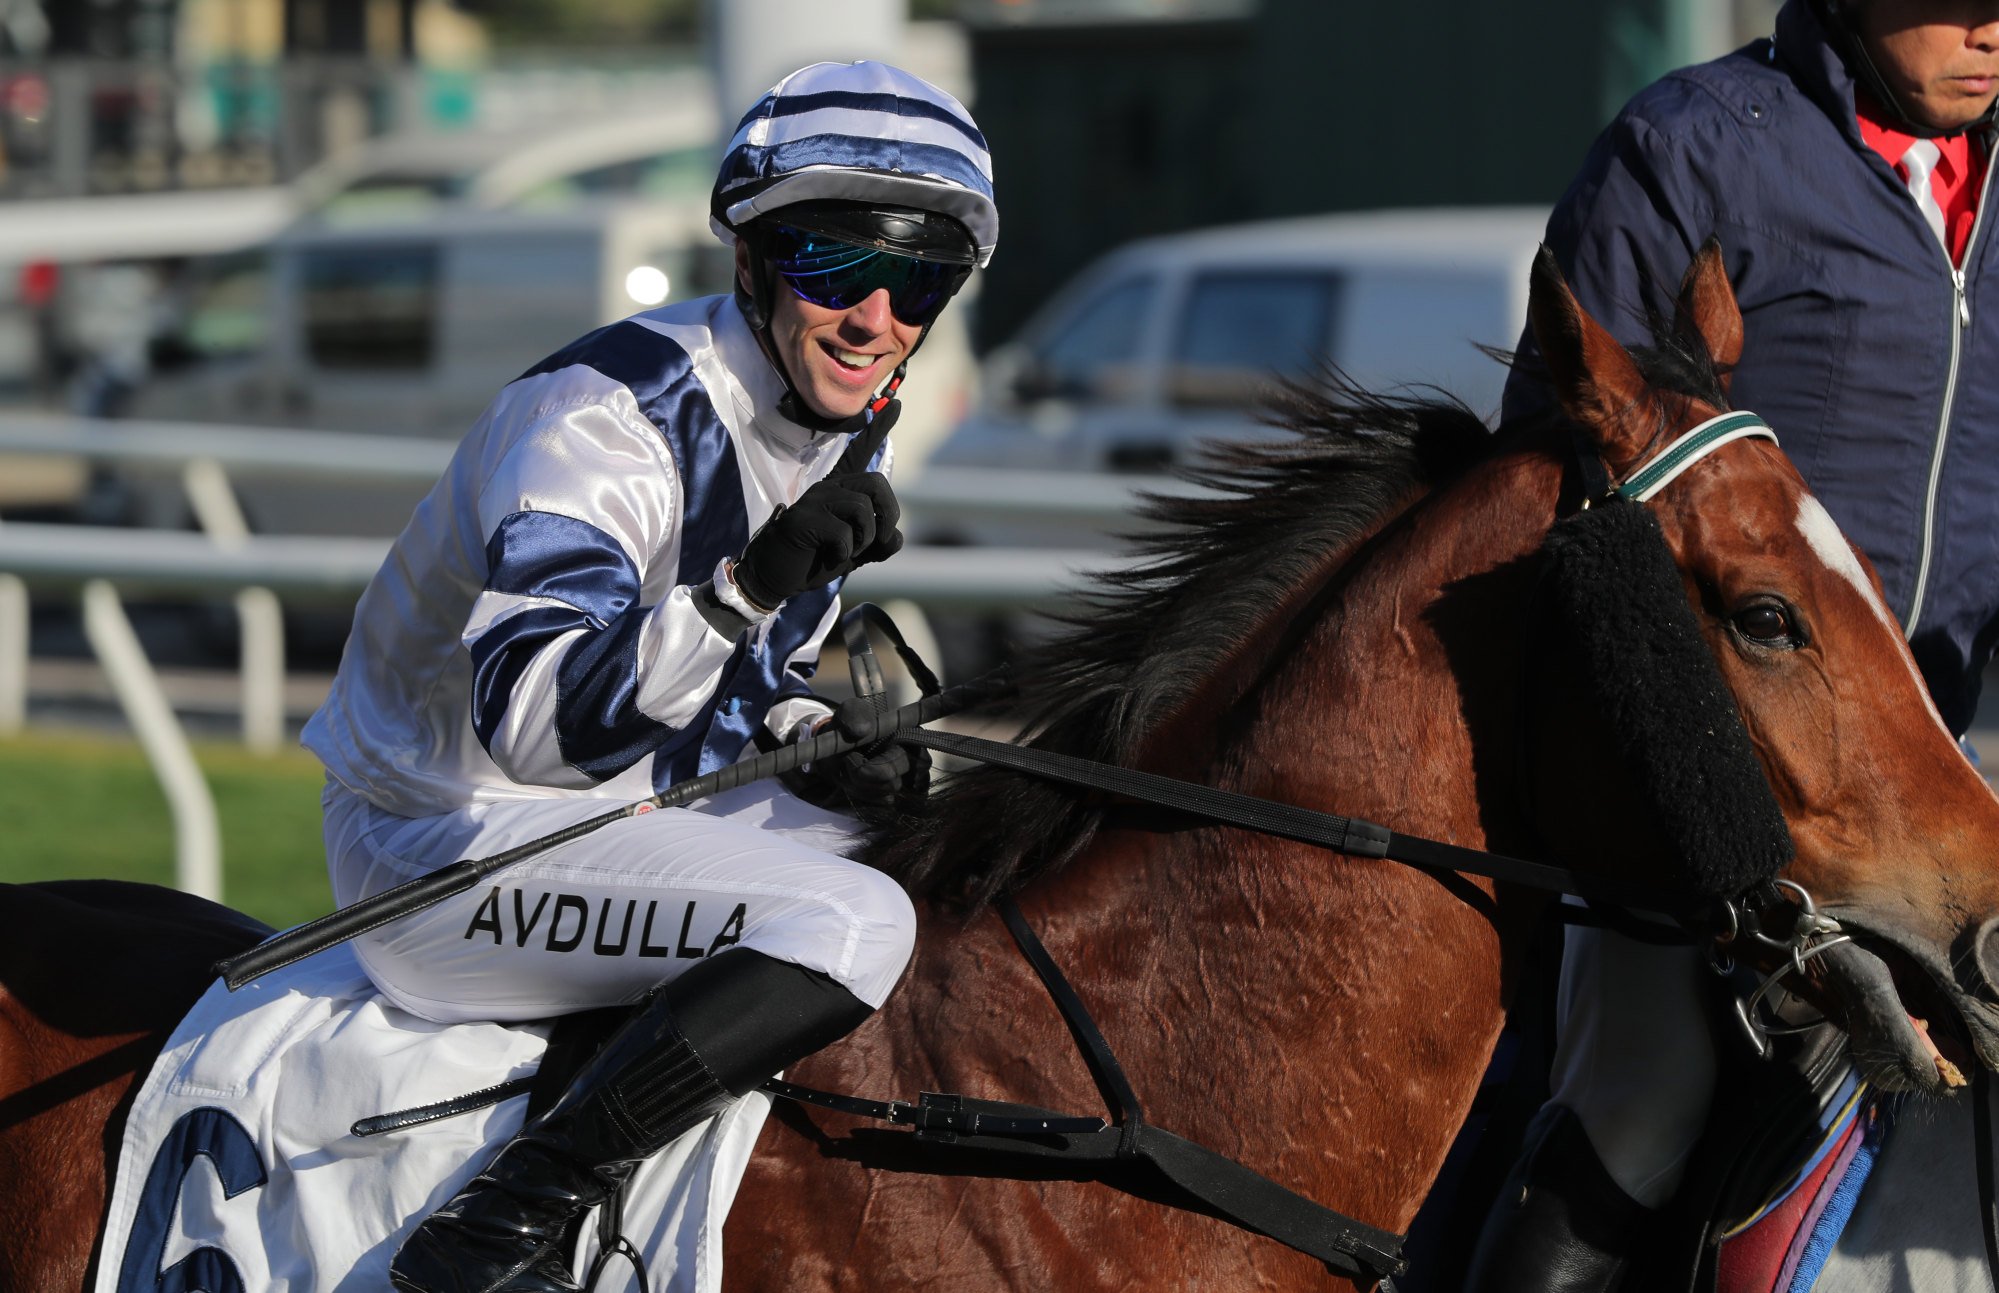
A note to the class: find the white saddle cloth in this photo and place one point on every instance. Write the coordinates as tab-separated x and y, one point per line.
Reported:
239	1143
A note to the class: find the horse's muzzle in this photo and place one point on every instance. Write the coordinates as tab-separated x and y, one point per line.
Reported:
1913	1025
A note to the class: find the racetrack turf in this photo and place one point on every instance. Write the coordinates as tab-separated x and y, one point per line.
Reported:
74	806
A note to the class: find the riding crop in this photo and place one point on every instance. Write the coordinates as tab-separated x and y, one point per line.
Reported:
406	899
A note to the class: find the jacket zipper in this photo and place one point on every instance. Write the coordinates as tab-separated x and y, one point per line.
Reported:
1960	319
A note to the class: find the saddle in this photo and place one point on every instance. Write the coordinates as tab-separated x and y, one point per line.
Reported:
1780	1137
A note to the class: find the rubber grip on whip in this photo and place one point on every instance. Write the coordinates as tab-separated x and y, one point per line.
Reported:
337	927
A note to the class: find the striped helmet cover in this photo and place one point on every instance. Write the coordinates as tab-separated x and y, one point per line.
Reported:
861	132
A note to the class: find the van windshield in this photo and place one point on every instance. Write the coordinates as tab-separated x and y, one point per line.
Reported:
1093	354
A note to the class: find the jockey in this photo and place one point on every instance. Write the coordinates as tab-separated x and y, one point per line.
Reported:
621	582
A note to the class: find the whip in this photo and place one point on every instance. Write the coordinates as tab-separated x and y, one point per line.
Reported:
406	899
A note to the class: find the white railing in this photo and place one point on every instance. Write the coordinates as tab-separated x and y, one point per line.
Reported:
257	570
327	571
1001	494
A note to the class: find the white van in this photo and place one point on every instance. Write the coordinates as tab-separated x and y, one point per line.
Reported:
404	328
1170	341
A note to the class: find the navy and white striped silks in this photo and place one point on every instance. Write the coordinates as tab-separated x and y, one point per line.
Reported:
534	631
859	132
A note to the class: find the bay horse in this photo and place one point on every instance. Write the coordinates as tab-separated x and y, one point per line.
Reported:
1351	627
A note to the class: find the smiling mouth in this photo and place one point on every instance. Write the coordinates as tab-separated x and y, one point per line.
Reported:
853	361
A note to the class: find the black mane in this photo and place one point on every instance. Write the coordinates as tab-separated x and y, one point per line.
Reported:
1342	461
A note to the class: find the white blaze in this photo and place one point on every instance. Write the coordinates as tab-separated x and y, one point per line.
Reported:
1820	531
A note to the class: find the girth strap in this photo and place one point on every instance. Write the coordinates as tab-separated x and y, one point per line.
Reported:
944	1115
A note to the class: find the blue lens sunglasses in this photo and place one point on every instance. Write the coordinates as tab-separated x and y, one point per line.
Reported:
840	275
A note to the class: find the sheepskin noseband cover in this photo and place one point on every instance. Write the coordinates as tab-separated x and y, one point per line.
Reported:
1620	603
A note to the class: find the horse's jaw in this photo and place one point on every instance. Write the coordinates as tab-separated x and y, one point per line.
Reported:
1885	982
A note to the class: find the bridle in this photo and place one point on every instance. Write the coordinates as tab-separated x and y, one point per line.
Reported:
1735	921
1688	448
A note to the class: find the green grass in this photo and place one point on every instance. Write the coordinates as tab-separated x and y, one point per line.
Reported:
73	807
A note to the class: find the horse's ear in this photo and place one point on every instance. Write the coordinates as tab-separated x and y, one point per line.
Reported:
1594	376
1706	309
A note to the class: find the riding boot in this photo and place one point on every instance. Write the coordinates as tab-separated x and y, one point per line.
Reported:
712	1034
1561	1223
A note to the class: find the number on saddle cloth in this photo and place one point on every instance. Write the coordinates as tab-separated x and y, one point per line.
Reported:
1623	612
202	1133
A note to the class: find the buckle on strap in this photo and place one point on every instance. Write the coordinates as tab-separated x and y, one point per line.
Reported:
944	1118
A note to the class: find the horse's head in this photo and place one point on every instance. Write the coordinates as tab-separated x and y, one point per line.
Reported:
1896	834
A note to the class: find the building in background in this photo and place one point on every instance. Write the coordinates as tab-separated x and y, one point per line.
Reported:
1112	119
137	96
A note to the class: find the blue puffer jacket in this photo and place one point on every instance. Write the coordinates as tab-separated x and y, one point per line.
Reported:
1875	360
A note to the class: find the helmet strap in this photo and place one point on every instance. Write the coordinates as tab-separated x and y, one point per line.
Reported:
887	393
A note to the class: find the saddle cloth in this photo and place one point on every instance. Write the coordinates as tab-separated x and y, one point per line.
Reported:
239	1165
1785	1246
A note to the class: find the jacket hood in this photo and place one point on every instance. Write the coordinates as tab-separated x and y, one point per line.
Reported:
1805	49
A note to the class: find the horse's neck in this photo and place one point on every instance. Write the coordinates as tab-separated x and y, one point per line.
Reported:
1328	1018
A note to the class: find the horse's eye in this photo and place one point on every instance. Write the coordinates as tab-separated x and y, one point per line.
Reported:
1764	623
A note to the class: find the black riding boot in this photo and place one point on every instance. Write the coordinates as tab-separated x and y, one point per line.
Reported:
1561	1224
715	1032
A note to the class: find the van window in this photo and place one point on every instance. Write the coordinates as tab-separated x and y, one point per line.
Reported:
370	307
1240	329
1402	325
1091	356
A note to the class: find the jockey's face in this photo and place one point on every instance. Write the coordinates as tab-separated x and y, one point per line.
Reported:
836	359
1940	57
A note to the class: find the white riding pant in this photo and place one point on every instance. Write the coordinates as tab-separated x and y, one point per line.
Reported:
1634	1057
607	917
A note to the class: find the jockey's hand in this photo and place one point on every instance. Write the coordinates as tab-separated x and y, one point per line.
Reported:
840	523
879	776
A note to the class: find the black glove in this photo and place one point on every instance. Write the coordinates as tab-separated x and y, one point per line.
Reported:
842	522
881	775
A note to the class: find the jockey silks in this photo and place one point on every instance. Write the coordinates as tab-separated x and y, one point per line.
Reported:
535	632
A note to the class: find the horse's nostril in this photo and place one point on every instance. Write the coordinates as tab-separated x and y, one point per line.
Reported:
1986	953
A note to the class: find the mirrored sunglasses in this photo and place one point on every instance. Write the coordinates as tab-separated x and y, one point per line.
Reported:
841	275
